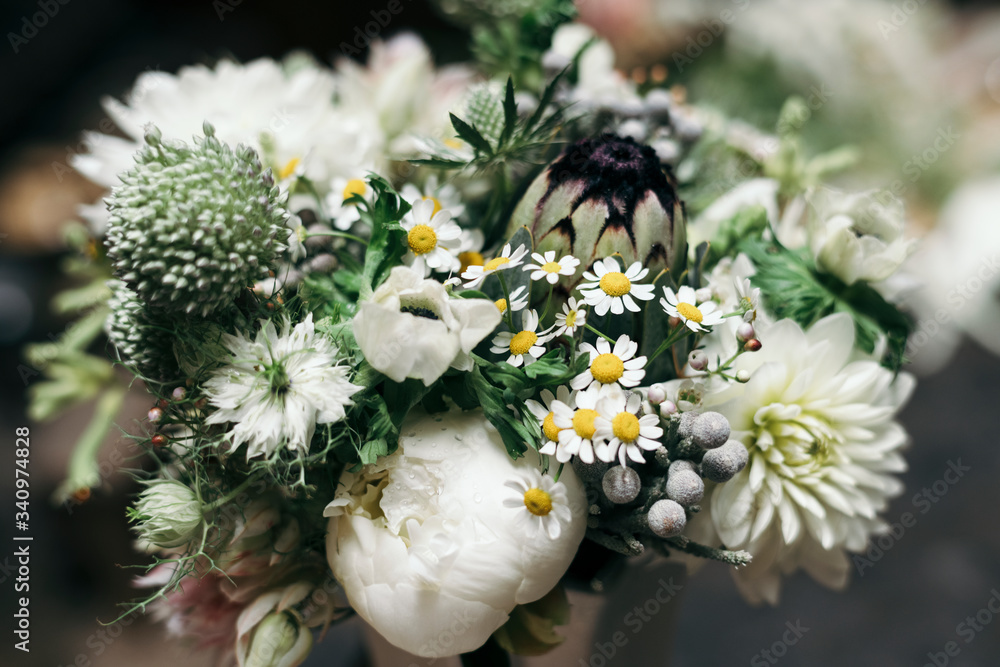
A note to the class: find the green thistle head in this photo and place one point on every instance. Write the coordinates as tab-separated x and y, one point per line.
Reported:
145	344
192	226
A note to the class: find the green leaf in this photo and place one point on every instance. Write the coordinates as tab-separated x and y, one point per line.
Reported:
509	113
471	135
517	432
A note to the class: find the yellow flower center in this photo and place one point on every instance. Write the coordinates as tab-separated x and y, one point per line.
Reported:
494	264
470	258
614	283
549	427
607	368
571	318
451	142
289	168
522	342
437	204
551	267
538	502
625	426
501	305
355	186
583	423
689	312
421	239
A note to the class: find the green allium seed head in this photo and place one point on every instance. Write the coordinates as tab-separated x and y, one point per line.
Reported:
193	225
145	344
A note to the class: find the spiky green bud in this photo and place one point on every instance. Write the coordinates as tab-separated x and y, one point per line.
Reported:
168	514
484	110
193	225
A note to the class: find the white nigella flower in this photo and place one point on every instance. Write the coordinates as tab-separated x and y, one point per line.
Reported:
442	196
526	345
855	236
432	237
547	268
339	207
620	429
610	289
571	318
278	386
608	366
539	503
518	300
508	259
575	420
543	412
422	537
684	305
819	425
412	328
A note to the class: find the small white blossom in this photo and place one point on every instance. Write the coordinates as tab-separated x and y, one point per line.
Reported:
610	289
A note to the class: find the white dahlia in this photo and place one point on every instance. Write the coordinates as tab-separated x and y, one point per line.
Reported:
818	421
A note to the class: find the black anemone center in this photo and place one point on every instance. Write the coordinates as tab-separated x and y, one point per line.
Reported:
419	312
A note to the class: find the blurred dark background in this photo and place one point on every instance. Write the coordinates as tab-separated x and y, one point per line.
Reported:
907	604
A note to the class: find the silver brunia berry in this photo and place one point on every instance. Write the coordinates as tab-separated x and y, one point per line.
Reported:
193	225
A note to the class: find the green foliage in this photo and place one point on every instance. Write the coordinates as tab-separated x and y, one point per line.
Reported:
386	247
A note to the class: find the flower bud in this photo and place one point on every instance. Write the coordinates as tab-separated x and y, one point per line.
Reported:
278	641
698	360
723	463
745	332
685	487
154	415
656	394
752	345
667	408
168	514
603	196
621	485
666	518
684	428
710	430
743	375
679	465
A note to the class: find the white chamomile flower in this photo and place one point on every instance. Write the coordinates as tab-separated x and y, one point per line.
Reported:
749	298
547	268
518	300
541	502
543	412
620	429
525	346
575	421
442	196
297	235
684	305
609	366
470	249
570	319
610	289
508	259
432	238
343	212
277	387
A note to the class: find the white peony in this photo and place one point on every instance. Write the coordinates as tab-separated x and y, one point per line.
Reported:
855	236
819	425
411	328
428	546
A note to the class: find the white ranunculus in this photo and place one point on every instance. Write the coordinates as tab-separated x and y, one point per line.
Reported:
855	236
427	549
818	420
411	328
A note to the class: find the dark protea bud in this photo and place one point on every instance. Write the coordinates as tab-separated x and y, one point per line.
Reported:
604	196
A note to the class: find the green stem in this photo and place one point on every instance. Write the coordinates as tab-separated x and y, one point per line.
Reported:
344	235
671	339
508	312
607	338
229	496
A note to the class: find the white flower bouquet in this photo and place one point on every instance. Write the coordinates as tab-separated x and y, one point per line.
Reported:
421	339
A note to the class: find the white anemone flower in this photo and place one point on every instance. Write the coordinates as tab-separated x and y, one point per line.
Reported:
421	539
278	386
607	288
432	237
819	423
540	503
608	366
412	328
525	346
508	259
571	318
685	306
547	268
620	429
